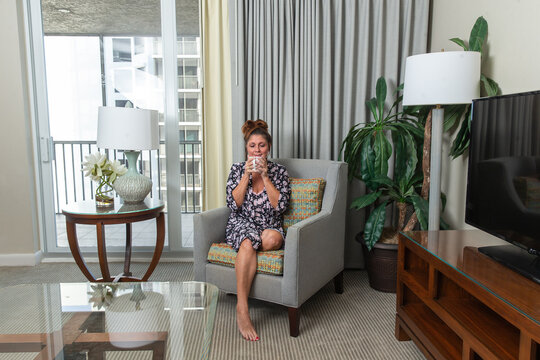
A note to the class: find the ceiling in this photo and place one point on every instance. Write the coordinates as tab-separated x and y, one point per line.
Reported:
115	17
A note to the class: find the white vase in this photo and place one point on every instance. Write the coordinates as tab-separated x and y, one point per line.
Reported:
132	187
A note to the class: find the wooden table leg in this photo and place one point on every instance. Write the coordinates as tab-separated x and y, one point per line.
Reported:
76	251
127	257
102	252
160	241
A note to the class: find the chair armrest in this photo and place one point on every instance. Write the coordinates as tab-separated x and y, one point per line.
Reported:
314	254
208	228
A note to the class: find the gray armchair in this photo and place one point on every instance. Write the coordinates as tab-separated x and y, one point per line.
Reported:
314	247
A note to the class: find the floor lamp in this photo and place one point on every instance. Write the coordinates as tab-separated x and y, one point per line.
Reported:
442	78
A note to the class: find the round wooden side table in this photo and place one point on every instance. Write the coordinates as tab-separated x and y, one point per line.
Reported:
86	212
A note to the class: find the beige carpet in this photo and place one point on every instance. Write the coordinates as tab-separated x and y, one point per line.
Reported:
358	324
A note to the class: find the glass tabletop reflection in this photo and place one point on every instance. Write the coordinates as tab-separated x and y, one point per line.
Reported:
173	320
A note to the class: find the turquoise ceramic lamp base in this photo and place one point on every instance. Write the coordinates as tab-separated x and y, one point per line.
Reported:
132	187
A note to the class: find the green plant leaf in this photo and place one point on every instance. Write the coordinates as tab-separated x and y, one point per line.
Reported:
417	179
443	201
399	99
414	128
461	142
383	150
395	195
383	180
351	148
412	157
409	193
421	207
490	86
374	225
443	224
400	152
460	43
372	105
380	92
478	34
452	114
367	158
406	159
365	200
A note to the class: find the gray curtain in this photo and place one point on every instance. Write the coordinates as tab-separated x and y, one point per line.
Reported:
307	67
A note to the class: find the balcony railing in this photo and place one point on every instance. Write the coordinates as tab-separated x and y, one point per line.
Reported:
70	184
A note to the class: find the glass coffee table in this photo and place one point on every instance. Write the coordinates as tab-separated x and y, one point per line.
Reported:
168	320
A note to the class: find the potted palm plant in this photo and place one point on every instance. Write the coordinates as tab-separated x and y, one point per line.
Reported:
368	149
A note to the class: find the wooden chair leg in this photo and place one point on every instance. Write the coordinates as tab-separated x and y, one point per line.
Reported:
294	321
338	283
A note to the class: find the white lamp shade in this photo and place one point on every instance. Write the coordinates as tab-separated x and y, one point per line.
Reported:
127	128
451	77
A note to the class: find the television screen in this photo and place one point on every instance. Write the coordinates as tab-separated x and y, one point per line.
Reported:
503	186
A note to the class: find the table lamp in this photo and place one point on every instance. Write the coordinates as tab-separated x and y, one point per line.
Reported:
442	78
130	130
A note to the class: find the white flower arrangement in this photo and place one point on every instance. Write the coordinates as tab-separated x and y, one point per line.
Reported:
103	171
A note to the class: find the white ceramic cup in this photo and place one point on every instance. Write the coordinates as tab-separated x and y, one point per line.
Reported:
255	160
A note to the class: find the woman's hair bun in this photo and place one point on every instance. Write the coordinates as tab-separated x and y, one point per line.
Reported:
250	125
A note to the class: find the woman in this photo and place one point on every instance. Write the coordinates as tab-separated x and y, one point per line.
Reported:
257	193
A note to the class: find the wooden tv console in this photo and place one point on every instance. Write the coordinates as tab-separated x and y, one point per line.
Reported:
456	303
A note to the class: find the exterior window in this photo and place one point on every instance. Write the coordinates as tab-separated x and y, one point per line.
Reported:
121	50
189	135
139	46
189	107
120	103
192	135
123	81
192	167
188	73
111	59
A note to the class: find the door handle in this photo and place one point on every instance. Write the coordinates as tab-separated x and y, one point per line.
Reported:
47	149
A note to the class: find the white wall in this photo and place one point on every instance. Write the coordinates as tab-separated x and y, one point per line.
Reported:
19	240
512	59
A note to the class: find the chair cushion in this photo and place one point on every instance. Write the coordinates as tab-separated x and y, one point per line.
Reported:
306	200
268	262
528	189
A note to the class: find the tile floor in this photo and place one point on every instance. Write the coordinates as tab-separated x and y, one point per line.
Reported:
143	233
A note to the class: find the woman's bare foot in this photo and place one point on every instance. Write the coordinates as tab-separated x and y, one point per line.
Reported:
245	326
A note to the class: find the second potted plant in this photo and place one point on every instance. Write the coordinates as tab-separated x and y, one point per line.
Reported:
368	150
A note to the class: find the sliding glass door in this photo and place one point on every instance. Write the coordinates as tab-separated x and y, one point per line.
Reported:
145	55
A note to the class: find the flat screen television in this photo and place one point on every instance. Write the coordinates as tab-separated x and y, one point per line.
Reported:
503	184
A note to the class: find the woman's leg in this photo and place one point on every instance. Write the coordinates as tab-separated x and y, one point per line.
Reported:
246	265
271	240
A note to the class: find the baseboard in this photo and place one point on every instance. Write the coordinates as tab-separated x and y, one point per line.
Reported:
21	259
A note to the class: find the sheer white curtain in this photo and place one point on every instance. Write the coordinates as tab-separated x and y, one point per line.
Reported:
307	67
217	158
